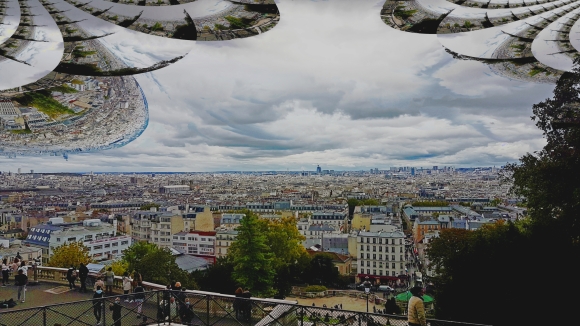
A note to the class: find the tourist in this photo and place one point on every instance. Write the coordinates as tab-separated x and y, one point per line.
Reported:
109	281
139	297
416	314
83	274
23	267
238	303
71	276
21	281
98	304
127	286
247	307
116	309
99	283
187	314
5	271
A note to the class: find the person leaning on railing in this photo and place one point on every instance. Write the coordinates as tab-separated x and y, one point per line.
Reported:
416	312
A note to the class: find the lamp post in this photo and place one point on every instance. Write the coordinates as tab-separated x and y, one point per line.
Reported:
367	286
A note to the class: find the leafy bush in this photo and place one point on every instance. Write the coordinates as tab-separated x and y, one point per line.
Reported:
315	288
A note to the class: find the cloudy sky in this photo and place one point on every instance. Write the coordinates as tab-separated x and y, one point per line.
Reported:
331	84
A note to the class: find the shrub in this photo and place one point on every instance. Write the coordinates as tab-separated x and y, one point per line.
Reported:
315	288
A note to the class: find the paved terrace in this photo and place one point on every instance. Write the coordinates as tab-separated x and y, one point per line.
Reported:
51	302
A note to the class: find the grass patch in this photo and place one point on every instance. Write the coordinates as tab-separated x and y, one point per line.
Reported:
536	70
22	132
44	103
404	14
238	23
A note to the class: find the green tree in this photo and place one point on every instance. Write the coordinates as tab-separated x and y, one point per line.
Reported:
322	270
119	267
156	265
284	240
253	260
218	277
70	254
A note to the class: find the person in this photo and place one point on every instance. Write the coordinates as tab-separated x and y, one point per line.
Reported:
83	274
136	278
24	267
172	309
166	295
98	304
116	309
416	313
109	281
71	276
99	283
5	271
186	314
139	297
21	281
127	286
144	322
15	265
238	302
247	307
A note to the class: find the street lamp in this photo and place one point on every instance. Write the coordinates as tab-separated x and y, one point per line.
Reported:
367	286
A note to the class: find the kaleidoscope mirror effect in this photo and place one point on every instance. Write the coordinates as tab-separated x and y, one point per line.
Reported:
66	81
522	39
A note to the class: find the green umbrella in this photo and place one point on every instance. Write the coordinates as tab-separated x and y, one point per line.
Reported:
405	296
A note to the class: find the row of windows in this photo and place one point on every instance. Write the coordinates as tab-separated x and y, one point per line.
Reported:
192	238
368	264
362	256
380	240
393	249
393	273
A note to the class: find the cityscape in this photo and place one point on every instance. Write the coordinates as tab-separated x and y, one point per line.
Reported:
288	162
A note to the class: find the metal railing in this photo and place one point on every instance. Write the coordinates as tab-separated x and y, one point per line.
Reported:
195	308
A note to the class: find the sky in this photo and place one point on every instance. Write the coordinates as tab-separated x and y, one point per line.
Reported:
330	85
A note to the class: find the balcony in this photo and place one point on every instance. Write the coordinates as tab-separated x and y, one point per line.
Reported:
205	309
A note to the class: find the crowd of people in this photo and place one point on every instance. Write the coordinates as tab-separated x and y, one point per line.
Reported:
18	268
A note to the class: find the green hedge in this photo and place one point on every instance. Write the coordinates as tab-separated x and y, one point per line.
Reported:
315	288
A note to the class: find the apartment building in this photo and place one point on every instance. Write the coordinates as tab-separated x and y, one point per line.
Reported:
224	239
381	255
100	238
195	242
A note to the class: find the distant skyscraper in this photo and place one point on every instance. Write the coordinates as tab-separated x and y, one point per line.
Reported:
412	171
19	170
435	168
31	171
318	169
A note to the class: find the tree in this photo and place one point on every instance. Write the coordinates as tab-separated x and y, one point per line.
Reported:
119	267
253	260
284	240
70	254
156	264
322	270
549	179
218	277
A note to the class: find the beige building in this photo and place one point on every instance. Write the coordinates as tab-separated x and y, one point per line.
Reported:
224	239
163	227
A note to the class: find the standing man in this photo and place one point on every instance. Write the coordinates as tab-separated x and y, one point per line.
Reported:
109	281
83	274
98	304
416	313
116	309
71	276
139	297
21	281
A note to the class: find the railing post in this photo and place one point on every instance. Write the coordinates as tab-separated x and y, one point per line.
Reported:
44	316
104	311
359	318
302	314
157	307
207	307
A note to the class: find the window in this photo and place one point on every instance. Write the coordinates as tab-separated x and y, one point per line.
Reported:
374	248
73	239
98	247
400	241
368	240
380	257
362	247
361	255
374	272
393	258
393	266
115	251
374	256
107	245
374	240
393	273
368	248
368	271
368	256
127	242
392	249
115	244
57	239
380	248
400	249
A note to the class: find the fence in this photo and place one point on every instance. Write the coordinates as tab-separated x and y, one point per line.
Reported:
193	308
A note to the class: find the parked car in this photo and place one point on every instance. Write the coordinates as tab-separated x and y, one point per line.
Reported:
385	288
